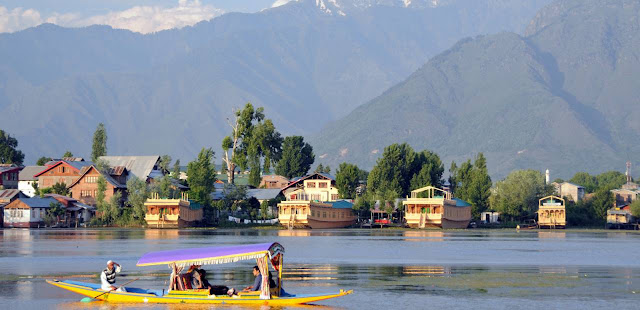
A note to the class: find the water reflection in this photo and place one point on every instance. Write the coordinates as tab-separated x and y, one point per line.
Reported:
423	235
551	235
294	233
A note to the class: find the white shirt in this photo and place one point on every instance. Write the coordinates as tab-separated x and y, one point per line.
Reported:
103	278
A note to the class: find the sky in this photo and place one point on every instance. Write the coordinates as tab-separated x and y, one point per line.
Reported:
144	16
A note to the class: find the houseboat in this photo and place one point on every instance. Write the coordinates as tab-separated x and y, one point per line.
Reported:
431	207
312	202
172	213
551	212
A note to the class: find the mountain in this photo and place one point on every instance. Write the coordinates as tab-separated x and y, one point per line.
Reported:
171	91
563	96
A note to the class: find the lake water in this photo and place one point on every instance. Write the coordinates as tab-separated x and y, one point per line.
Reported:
392	269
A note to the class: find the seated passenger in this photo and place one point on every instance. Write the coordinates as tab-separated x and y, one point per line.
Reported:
256	283
201	282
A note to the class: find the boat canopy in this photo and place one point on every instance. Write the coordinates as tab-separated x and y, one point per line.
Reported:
211	255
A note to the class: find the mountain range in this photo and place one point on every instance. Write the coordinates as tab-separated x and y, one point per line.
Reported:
307	62
564	96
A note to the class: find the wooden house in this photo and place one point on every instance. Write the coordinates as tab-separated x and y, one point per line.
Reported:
552	212
9	176
85	187
273	181
6	197
312	202
27	212
172	213
76	213
65	172
436	208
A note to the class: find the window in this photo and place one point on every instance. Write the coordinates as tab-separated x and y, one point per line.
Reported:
322	184
324	214
334	196
311	184
91	179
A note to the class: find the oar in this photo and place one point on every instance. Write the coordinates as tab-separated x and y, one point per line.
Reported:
89	299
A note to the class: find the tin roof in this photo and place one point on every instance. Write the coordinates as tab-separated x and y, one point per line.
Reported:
263	193
37	202
4	169
78	165
138	166
8	194
340	204
28	173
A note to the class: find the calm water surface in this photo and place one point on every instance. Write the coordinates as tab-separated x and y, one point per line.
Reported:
480	269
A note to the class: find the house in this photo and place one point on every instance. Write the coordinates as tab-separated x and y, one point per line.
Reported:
143	167
434	207
65	172
572	191
273	181
490	217
9	176
27	212
620	215
552	212
172	213
7	196
76	213
265	194
85	187
312	202
27	180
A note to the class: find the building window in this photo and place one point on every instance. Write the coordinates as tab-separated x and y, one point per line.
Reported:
324	214
322	184
334	196
91	179
311	184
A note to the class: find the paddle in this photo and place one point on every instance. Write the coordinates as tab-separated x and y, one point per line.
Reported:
89	299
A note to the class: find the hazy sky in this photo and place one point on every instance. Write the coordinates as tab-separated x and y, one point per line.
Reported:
136	15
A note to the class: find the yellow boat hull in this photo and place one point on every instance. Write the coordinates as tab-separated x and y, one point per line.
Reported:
191	298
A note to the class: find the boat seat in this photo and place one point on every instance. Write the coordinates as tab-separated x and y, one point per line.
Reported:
136	290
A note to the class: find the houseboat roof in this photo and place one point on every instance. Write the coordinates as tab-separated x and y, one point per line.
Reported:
461	203
210	255
340	204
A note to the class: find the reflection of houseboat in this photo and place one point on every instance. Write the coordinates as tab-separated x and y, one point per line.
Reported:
312	202
551	212
172	213
434	207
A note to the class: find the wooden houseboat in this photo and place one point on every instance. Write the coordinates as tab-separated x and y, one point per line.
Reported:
431	207
312	202
172	213
552	212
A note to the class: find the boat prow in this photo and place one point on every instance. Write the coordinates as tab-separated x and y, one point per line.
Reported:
139	295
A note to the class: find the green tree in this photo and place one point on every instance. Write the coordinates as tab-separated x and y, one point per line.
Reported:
60	189
297	157
347	180
253	138
472	183
517	195
43	160
9	154
322	169
401	169
611	179
164	188
100	195
585	179
601	202
54	213
67	154
202	178
175	173
635	208
137	194
99	146
264	209
163	163
113	208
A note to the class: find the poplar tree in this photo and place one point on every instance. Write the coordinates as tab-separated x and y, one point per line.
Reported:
297	157
9	154
347	180
99	147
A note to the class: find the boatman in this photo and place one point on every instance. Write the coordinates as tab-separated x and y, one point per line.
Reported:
108	277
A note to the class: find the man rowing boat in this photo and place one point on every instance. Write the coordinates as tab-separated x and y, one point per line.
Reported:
108	277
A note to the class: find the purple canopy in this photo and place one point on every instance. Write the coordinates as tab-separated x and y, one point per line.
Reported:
210	255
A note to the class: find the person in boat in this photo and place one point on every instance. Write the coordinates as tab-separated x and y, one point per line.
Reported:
200	282
108	277
256	283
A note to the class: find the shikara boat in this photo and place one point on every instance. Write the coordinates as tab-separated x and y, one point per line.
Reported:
265	254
